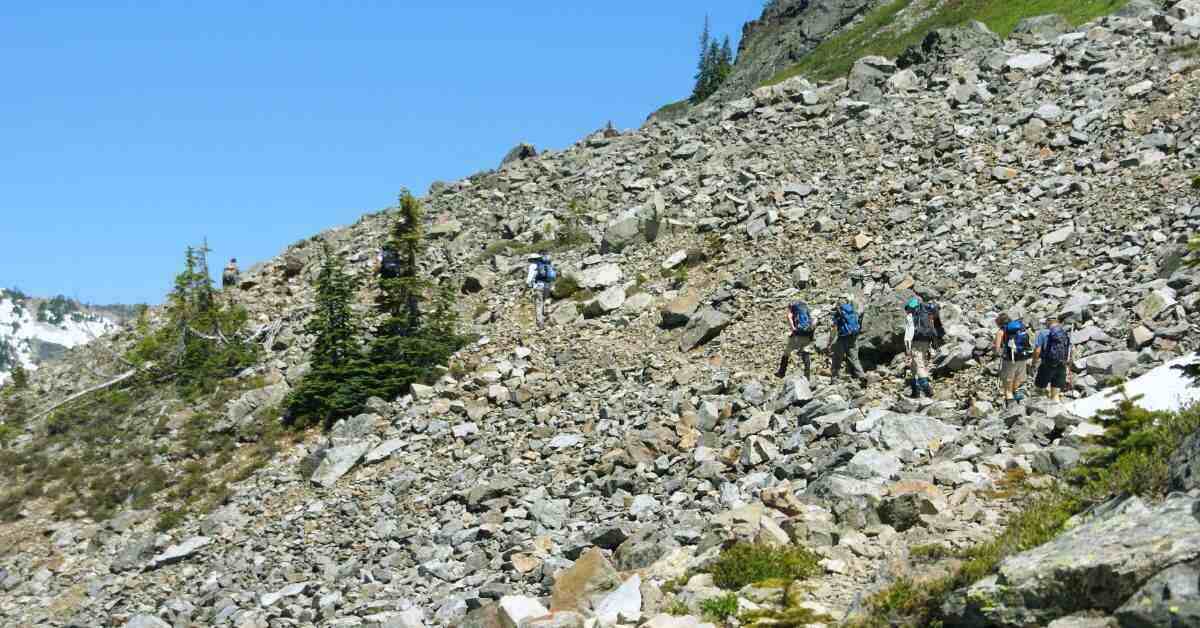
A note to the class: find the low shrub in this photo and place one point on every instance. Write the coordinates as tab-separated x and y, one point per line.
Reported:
748	563
720	608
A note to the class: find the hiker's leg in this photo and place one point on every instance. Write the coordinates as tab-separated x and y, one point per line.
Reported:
856	368
540	295
835	359
807	359
783	362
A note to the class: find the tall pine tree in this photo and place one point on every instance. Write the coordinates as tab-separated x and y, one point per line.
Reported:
410	344
338	379
715	64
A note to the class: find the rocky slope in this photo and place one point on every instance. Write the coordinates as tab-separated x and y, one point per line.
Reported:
35	330
583	467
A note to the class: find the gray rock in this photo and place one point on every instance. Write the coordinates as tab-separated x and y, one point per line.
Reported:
1041	28
607	301
1170	598
637	225
680	310
871	463
146	621
1185	465
868	78
337	461
707	324
1115	363
914	432
600	276
180	552
1032	62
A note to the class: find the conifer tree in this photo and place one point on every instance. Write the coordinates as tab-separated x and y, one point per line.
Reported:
201	341
338	380
715	65
409	344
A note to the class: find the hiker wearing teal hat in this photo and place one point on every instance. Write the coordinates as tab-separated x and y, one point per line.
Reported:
922	331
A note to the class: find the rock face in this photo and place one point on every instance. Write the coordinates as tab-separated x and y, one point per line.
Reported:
868	79
1102	563
787	30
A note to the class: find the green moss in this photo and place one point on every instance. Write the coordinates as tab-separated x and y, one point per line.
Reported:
748	563
835	56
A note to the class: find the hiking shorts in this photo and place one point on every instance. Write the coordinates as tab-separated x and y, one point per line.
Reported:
799	343
1013	371
921	357
1052	375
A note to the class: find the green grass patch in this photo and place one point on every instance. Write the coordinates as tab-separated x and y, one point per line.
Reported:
566	287
835	56
720	608
747	563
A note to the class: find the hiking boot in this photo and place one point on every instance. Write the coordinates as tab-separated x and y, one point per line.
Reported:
1018	396
926	387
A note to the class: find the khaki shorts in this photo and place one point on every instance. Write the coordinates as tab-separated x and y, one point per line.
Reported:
1013	371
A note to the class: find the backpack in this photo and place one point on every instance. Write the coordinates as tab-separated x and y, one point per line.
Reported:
847	320
545	272
802	318
1016	341
390	263
1058	345
927	322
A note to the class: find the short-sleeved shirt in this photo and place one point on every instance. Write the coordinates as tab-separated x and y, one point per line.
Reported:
1040	341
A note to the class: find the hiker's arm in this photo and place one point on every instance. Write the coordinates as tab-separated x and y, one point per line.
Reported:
998	342
530	275
791	322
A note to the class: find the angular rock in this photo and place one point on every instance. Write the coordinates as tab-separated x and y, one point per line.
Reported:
707	324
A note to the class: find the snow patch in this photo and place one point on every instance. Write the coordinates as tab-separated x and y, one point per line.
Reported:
20	330
1163	388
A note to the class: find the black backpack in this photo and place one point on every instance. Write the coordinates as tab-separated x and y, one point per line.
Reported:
390	263
803	318
927	322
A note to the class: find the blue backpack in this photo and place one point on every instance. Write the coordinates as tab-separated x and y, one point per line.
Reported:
803	319
545	271
1016	341
1058	346
847	320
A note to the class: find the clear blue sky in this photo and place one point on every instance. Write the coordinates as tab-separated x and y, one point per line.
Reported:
130	131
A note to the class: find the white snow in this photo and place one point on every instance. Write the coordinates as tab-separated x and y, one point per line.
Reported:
19	326
1162	388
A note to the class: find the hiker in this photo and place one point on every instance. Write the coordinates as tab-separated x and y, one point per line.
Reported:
229	278
388	262
540	275
922	332
1014	346
1052	359
847	323
803	328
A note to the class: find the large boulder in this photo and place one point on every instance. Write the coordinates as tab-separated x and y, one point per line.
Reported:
639	224
1171	598
1098	564
949	43
1115	363
584	584
707	324
600	276
882	334
1041	29
868	78
680	310
605	302
520	152
897	432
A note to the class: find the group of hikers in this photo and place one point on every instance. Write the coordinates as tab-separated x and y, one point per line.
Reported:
1047	353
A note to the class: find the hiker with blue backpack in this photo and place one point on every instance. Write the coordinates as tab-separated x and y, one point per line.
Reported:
1014	344
1052	359
922	332
843	343
538	277
803	329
